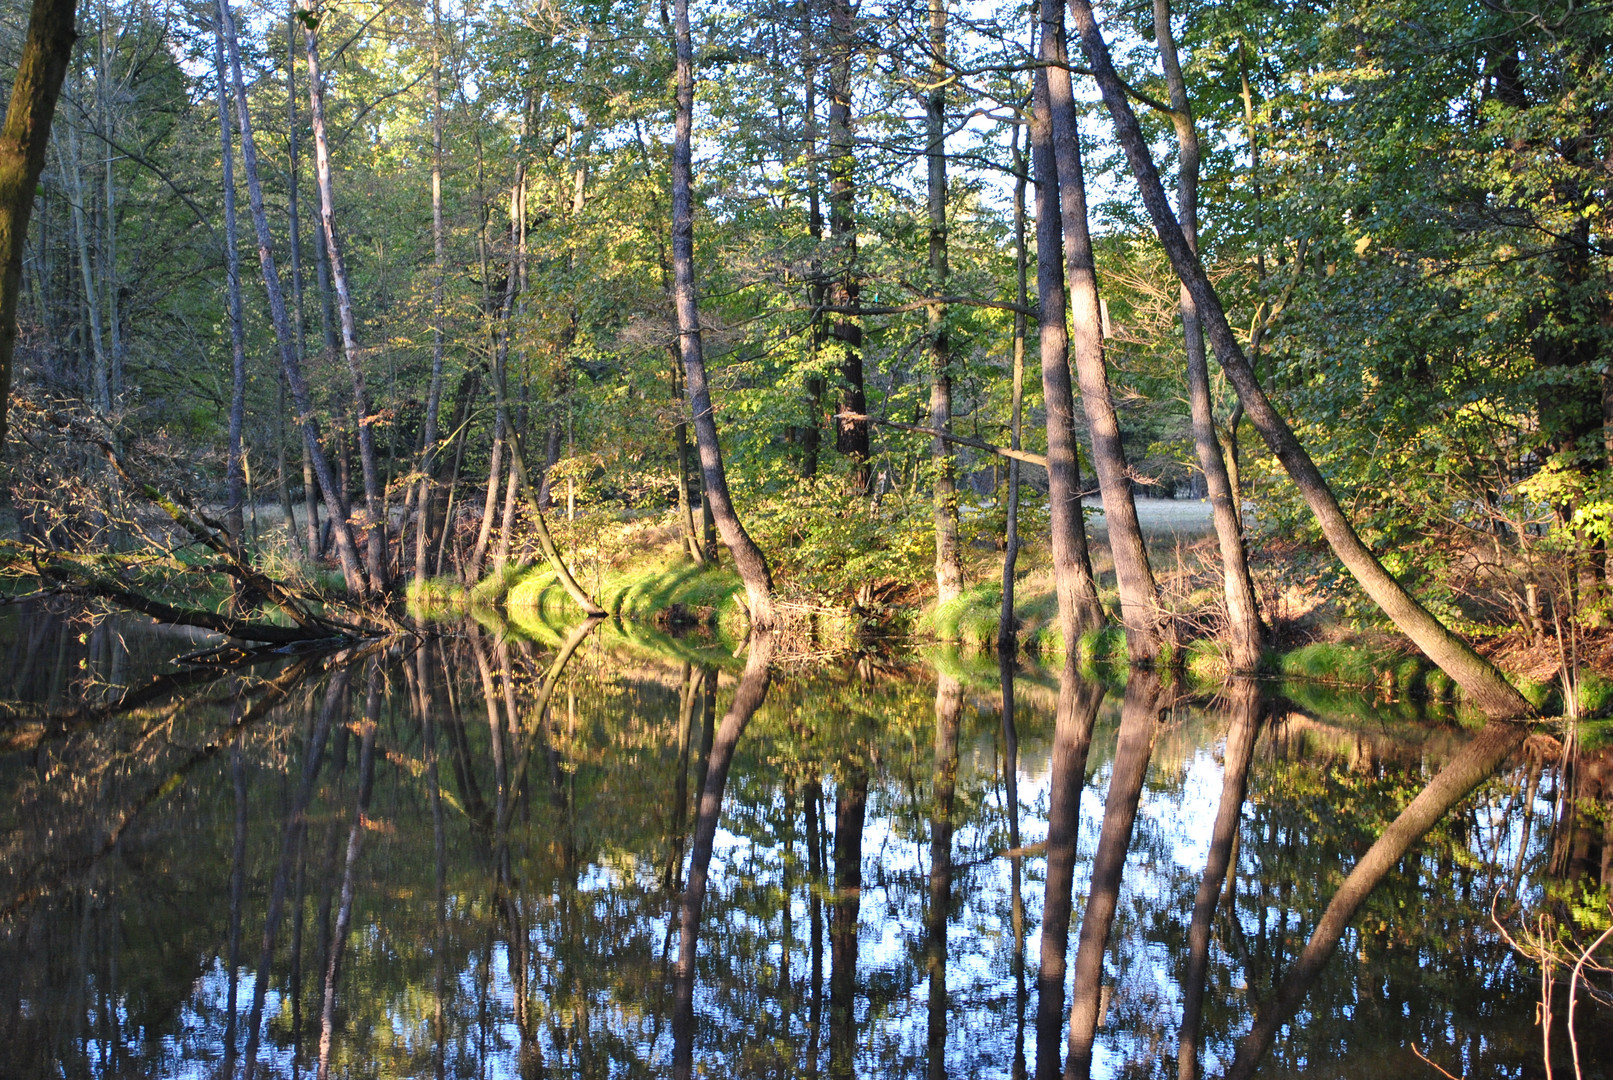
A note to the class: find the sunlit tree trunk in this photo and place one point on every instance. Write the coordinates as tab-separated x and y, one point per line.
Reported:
948	562
851	425
1243	615
374	494
290	363
1079	609
1482	681
1140	612
748	558
428	438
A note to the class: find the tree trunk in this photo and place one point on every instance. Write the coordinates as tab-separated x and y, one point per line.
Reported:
374	494
46	51
680	439
1079	609
294	223
811	432
290	364
100	386
1140	612
1243	614
748	558
428	450
1482	681
851	425
232	277
1007	622
948	563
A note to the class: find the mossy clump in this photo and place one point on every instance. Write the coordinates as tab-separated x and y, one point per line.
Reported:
436	597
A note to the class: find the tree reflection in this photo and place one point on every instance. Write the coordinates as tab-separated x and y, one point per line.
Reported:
948	709
1139	716
1472	766
1245	709
752	691
1078	704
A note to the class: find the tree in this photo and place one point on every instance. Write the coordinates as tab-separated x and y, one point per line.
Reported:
45	54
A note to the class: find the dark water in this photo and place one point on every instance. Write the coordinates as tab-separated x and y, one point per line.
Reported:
480	856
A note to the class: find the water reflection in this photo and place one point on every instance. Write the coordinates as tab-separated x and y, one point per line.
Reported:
483	855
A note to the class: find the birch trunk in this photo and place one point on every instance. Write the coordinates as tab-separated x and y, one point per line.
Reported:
374	493
428	451
232	279
290	364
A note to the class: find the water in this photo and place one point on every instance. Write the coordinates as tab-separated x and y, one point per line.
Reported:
481	861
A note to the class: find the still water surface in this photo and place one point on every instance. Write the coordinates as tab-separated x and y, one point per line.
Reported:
613	854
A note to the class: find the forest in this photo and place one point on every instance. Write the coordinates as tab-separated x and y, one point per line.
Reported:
823	437
853	301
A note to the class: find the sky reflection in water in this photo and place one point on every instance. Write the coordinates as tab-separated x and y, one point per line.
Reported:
514	880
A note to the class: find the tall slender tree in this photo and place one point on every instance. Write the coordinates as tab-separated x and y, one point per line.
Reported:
1245	634
235	471
1079	609
844	292
1140	611
948	562
748	558
1484	683
290	363
374	494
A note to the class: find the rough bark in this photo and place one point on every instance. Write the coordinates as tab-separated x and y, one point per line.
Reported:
944	493
1481	680
748	558
374	493
1138	719
1079	609
1245	635
1140	612
290	363
851	427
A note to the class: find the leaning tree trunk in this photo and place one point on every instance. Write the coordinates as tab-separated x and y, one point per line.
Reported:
232	277
1482	681
1079	609
294	227
1243	614
374	493
748	558
948	564
1139	598
45	54
290	363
